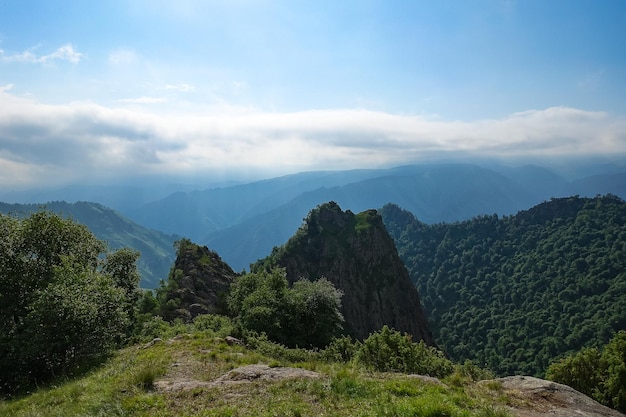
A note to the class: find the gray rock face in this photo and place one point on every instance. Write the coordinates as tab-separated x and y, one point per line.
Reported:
200	282
358	256
543	398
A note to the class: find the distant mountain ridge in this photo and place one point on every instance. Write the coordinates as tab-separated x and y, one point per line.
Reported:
244	222
156	248
433	193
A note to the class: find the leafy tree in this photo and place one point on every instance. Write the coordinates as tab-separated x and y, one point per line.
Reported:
315	317
58	308
601	374
614	386
581	371
121	266
304	315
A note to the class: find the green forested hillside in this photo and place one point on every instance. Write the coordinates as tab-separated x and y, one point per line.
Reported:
156	248
514	293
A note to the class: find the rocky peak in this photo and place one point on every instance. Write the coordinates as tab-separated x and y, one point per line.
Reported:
198	282
358	256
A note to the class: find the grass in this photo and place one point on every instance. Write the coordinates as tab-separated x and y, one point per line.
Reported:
125	386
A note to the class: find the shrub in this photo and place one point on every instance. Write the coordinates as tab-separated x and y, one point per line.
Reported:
214	324
390	351
341	349
600	374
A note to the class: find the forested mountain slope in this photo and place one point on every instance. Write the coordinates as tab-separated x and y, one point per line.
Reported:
156	249
514	293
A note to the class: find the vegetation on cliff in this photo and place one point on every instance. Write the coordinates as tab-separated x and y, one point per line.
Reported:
198	283
357	255
515	293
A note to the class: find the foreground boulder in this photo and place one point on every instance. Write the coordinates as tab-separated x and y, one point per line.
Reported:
534	397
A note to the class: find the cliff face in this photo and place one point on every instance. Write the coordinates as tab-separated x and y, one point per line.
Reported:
198	283
358	256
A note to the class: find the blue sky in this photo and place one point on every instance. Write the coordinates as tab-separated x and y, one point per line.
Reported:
100	91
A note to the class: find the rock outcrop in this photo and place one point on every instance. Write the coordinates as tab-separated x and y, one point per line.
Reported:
358	256
534	397
198	283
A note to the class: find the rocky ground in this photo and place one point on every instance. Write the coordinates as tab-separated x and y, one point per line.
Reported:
534	397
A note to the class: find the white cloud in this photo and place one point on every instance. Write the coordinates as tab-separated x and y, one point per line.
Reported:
4	88
143	100
65	142
180	87
64	53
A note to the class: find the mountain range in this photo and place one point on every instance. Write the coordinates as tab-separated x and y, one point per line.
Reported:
243	222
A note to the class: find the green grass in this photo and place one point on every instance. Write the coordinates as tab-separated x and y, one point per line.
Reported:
125	386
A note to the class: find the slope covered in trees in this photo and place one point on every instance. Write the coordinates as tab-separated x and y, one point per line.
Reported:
156	248
517	292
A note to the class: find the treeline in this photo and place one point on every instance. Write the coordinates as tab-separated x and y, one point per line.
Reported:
515	293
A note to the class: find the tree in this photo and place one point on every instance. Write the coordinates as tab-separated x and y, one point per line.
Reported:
305	315
600	374
581	371
121	266
316	319
614	386
58	307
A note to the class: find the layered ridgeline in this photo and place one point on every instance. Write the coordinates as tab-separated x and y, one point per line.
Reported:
156	248
515	293
357	255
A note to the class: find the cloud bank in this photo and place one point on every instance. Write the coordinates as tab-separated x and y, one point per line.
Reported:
64	53
43	144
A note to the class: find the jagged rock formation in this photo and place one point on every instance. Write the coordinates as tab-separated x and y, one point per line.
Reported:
358	256
198	283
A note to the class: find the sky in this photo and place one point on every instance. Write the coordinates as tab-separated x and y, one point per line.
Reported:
112	90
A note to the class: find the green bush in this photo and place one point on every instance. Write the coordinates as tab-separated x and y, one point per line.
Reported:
601	374
341	349
390	351
214	324
305	315
261	344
